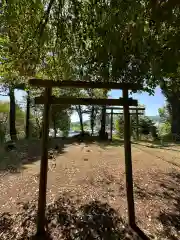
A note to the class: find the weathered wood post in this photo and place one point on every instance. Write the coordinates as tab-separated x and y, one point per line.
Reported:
128	161
111	123
137	125
44	166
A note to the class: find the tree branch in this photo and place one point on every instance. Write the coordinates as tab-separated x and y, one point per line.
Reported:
42	27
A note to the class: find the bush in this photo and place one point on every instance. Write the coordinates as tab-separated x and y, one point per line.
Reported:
164	129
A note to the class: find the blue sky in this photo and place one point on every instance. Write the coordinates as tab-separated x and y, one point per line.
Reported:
152	103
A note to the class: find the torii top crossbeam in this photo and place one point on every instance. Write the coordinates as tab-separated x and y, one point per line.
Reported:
121	108
84	84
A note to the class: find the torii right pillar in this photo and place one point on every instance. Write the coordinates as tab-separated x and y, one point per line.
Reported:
128	162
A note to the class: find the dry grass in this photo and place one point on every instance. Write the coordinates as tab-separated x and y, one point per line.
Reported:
93	177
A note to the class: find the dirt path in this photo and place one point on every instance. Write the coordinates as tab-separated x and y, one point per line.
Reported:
91	172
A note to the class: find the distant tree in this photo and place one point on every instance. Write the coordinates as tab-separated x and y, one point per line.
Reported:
60	118
5	117
4	112
80	114
146	126
36	121
94	110
165	113
119	126
64	123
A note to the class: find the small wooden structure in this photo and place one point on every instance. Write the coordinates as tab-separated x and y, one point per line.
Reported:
47	99
138	111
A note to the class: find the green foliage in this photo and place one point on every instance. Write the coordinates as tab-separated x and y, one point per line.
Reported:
104	40
4	111
4	107
145	122
75	126
164	114
134	41
119	126
20	37
145	125
165	126
164	129
36	120
64	123
4	119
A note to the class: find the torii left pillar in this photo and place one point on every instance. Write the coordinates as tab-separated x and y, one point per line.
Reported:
44	166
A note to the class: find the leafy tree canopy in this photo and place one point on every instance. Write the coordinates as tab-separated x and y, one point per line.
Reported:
113	40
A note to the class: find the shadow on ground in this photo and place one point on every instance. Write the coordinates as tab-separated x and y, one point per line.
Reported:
171	219
26	152
144	143
113	143
138	146
67	220
165	192
158	145
168	192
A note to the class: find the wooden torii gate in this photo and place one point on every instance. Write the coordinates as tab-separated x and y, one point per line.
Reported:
136	113
48	99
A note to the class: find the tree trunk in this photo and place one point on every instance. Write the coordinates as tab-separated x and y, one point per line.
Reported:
171	92
12	118
79	111
175	111
103	123
92	120
27	114
55	130
40	133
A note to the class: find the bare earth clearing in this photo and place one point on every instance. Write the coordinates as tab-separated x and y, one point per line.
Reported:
91	178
